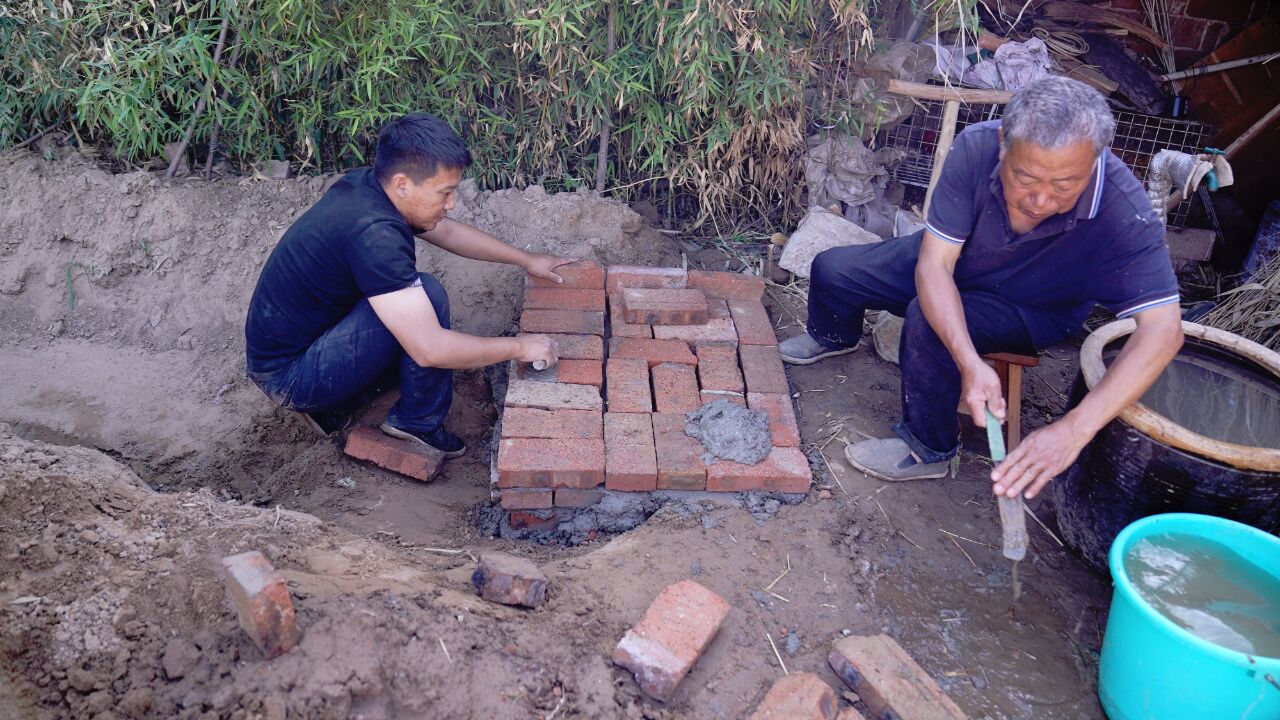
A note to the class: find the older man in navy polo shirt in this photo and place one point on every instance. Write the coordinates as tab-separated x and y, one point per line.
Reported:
1033	222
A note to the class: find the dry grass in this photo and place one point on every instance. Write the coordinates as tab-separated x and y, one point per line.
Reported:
1252	310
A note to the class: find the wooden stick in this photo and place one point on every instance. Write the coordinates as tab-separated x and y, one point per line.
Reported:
950	114
602	155
204	98
1253	131
944	93
1219	67
777	654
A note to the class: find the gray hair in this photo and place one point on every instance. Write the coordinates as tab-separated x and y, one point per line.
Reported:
1055	112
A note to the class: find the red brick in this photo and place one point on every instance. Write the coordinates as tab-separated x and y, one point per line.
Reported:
627	385
714	330
552	396
736	286
572	372
675	388
888	680
664	307
674	632
798	696
718	368
575	322
618	325
583	274
518	422
782	417
538	521
558	298
629	460
539	463
752	321
709	396
576	347
718	309
785	470
509	580
262	601
576	498
633	276
762	369
680	465
525	499
654	352
415	460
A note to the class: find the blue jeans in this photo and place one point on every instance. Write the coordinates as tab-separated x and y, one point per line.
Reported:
845	282
358	357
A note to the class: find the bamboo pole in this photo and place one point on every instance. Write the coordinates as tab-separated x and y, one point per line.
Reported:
204	97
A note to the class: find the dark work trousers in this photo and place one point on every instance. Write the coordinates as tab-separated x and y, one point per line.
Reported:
845	282
359	355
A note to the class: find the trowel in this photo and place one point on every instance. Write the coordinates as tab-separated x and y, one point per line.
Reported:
1013	521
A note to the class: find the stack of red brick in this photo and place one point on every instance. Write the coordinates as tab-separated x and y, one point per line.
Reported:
640	347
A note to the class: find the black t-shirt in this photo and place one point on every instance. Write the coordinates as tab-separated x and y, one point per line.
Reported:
352	244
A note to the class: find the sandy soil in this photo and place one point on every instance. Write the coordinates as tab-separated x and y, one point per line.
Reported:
136	454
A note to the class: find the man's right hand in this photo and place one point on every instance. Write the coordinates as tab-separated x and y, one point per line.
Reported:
538	347
980	389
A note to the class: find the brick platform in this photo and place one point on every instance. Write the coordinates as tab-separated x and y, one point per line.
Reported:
640	347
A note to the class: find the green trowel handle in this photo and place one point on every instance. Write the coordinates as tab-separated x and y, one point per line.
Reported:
1013	521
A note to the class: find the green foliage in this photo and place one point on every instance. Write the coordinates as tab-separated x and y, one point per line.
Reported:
706	97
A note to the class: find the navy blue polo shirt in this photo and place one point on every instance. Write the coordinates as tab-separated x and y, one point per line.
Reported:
1109	250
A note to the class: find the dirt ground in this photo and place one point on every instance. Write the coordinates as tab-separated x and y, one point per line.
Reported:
135	454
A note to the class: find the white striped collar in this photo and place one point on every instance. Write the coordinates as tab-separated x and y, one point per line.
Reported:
1091	199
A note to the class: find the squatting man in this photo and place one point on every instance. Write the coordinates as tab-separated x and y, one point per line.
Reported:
341	313
1033	222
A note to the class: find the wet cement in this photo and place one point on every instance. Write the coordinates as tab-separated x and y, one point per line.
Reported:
730	432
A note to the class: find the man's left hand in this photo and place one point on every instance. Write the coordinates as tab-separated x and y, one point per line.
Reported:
1040	458
543	265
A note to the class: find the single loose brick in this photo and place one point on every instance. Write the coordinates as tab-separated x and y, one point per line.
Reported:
583	274
718	309
664	307
575	497
509	580
525	499
786	469
798	696
654	352
262	601
888	680
675	388
561	298
519	422
629	460
674	632
718	368
714	395
539	463
736	286
576	347
570	371
618	325
714	330
573	322
762	368
782	417
536	520
753	323
627	385
680	465
413	459
636	276
553	396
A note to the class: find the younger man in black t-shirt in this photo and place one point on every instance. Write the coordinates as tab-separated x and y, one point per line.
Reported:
340	305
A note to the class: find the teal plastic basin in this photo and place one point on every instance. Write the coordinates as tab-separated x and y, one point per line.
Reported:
1151	669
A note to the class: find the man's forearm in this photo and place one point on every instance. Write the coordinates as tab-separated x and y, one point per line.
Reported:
940	302
458	351
474	243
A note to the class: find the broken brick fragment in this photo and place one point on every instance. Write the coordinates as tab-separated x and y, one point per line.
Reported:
887	679
668	306
736	286
509	580
535	520
785	470
411	459
678	626
539	463
782	417
584	274
263	606
798	696
753	323
675	388
569	322
680	465
627	385
637	276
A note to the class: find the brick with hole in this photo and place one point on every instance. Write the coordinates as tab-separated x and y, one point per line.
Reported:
676	629
509	580
680	465
552	396
782	417
714	330
411	459
571	322
627	385
762	369
557	298
753	323
260	595
786	470
576	347
583	274
618	325
629	460
635	276
718	368
539	463
675	388
798	696
889	681
736	286
654	352
669	306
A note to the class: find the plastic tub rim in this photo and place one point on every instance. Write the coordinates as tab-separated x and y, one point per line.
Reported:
1165	430
1123	585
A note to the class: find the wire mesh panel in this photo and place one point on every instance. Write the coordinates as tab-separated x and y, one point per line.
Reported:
1138	138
